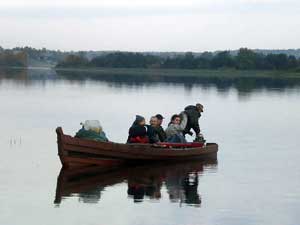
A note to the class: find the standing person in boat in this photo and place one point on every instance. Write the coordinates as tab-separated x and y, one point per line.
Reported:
159	129
138	131
193	113
175	129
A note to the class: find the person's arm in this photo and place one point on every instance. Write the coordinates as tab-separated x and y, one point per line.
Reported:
183	122
130	132
196	128
162	134
195	123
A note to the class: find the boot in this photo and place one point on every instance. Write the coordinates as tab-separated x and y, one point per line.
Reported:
199	138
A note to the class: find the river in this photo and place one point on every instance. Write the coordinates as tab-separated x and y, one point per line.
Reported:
256	179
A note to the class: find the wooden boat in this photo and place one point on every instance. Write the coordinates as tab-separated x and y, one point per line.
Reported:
75	152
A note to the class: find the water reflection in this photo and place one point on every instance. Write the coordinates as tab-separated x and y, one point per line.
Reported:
243	84
143	182
183	188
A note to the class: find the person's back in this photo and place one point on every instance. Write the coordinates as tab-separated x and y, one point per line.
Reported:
92	130
91	135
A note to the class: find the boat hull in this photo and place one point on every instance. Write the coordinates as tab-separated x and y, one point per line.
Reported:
75	152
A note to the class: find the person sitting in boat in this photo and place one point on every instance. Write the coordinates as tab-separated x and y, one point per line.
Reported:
152	131
159	129
175	129
92	130
138	131
193	113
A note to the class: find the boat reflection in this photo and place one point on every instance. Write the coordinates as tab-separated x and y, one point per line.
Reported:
180	181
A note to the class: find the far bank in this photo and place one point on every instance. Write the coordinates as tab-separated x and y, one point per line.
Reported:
221	73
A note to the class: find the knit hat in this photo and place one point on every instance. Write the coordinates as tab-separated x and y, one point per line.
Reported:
138	119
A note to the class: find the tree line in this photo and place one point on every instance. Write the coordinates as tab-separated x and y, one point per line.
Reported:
245	59
10	58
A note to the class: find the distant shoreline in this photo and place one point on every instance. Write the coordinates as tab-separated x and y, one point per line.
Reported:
229	73
218	73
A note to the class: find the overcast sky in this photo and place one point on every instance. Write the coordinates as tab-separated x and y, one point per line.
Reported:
150	25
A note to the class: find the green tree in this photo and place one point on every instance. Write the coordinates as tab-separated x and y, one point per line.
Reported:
222	60
246	59
73	61
9	58
188	61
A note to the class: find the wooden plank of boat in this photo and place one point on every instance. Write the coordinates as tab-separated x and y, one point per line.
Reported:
181	145
75	152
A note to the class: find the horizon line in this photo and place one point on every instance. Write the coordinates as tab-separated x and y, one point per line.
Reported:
153	51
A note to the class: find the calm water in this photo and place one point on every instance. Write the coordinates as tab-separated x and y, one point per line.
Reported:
256	179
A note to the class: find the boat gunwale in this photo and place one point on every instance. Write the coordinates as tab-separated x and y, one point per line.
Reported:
132	148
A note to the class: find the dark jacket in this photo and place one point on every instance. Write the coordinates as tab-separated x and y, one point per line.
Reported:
193	119
160	133
152	134
136	131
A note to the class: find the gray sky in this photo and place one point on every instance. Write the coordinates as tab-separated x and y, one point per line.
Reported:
150	25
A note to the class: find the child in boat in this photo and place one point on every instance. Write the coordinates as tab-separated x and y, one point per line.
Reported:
175	129
92	130
138	131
